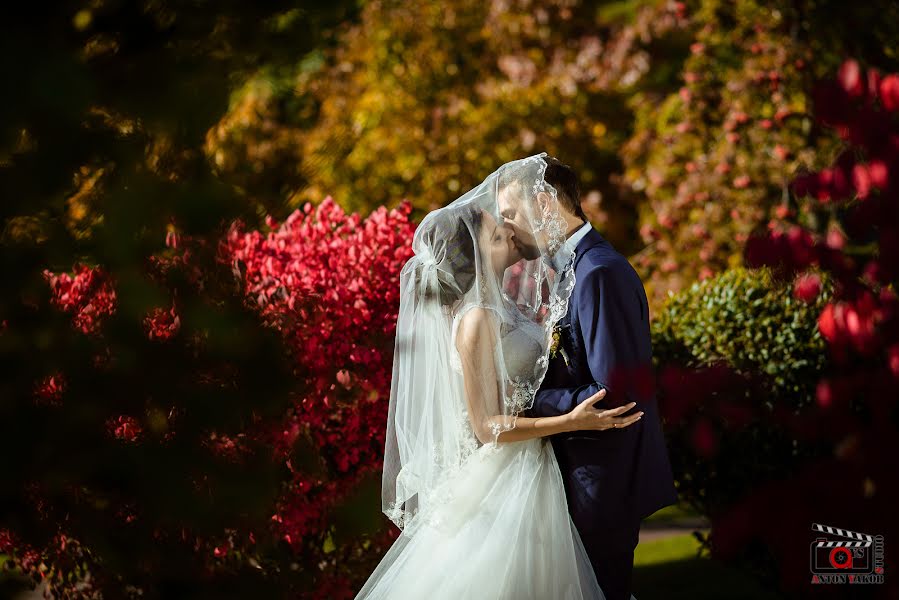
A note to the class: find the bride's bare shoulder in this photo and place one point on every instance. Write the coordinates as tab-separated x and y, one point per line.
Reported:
477	324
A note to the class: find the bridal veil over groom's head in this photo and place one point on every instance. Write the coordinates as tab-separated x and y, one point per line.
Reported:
513	202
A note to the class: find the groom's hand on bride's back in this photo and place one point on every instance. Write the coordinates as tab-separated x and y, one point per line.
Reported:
586	417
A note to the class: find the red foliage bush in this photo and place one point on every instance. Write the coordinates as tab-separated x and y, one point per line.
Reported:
848	226
328	283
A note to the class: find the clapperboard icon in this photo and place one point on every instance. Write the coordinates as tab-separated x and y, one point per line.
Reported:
855	554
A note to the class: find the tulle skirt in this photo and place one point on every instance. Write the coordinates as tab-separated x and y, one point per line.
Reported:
503	532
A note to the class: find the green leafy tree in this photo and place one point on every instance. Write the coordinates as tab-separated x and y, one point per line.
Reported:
421	101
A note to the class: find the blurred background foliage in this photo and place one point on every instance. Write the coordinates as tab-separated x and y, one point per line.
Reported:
684	120
734	353
421	101
712	156
119	442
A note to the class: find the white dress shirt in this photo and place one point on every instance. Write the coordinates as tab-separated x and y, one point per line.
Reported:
571	243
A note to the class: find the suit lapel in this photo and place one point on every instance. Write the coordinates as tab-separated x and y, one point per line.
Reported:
593	238
573	340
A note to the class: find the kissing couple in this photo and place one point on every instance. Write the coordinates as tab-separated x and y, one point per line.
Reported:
519	323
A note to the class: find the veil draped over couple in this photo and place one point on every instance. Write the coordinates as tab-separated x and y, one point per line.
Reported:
523	441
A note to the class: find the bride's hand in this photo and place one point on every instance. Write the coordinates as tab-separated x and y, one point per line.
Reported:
585	417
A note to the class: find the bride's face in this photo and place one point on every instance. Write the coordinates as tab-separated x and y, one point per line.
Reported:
499	241
509	202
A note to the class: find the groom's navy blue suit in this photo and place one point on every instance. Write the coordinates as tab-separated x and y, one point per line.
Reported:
616	477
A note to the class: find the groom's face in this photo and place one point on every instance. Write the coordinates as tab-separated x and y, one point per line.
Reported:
511	208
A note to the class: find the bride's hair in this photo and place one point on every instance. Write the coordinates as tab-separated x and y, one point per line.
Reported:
456	270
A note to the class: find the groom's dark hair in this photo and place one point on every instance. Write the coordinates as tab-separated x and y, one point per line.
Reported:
565	181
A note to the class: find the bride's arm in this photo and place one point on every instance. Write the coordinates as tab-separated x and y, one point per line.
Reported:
476	343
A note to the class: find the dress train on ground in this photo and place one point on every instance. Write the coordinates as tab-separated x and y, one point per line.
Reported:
501	531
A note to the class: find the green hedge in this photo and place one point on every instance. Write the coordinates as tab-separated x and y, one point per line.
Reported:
746	319
734	353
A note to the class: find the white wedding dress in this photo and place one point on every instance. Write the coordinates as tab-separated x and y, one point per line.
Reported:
501	529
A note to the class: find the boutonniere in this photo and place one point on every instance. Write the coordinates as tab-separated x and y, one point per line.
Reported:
556	346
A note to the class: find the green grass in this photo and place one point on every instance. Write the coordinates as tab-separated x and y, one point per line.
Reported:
671	513
670	569
678	547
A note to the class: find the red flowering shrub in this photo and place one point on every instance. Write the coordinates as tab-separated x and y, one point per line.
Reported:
848	226
732	351
832	461
326	285
329	282
86	294
713	157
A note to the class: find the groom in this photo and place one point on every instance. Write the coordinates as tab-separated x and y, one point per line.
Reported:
616	477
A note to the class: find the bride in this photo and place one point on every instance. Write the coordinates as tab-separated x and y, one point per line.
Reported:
474	487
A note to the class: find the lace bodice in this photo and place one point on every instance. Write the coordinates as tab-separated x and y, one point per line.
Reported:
520	347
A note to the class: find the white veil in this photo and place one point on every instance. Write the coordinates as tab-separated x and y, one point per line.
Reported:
500	289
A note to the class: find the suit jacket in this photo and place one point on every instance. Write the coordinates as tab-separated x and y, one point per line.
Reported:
616	476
